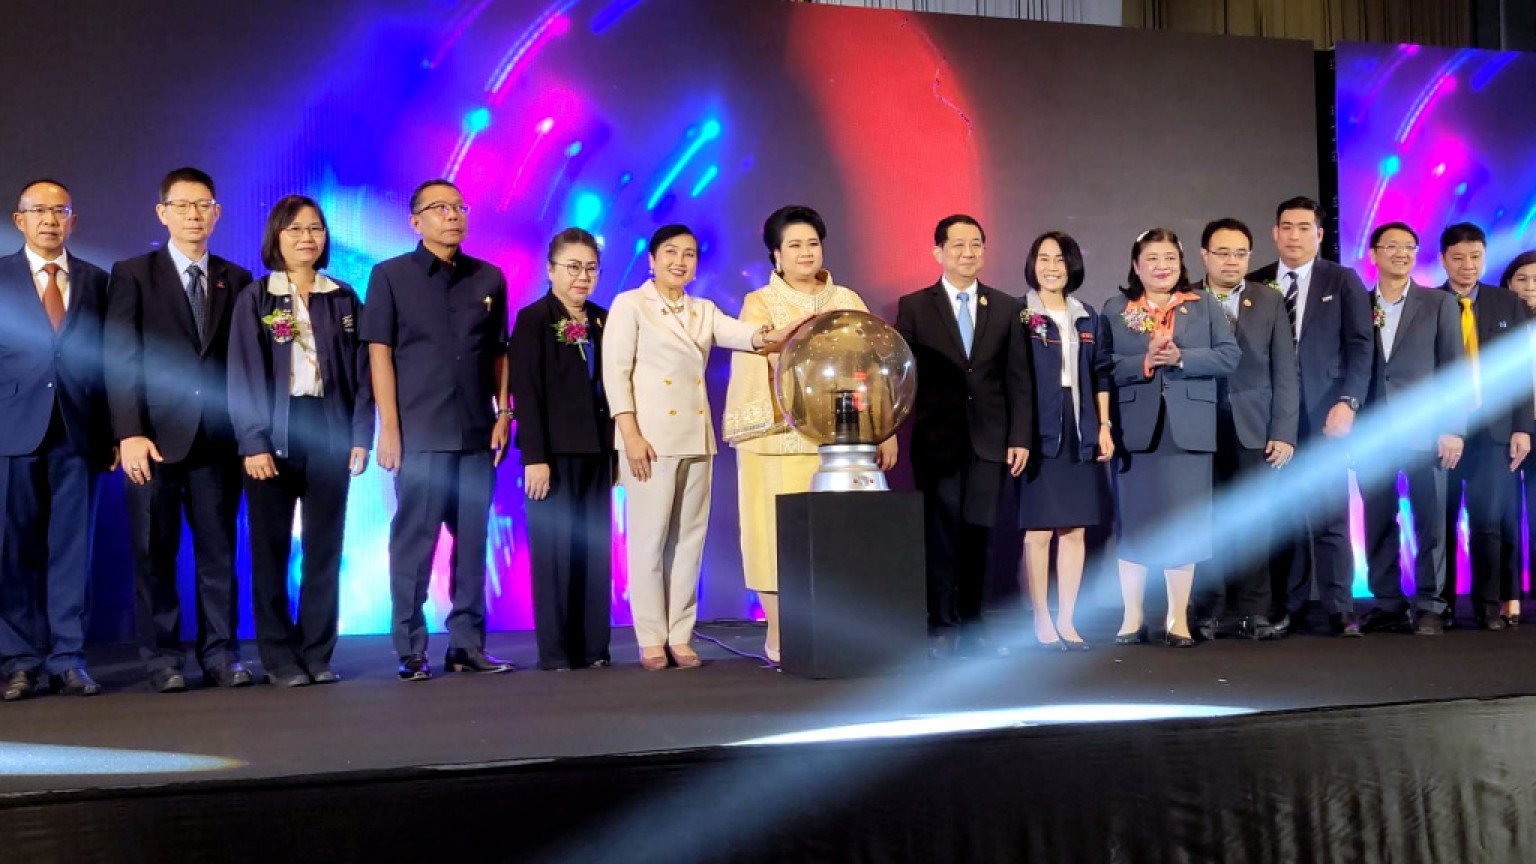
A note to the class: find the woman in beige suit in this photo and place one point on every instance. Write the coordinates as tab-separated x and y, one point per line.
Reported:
773	459
654	352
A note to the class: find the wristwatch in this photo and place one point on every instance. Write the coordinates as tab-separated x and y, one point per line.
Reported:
1352	402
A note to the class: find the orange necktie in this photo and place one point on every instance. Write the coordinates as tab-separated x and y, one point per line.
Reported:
53	298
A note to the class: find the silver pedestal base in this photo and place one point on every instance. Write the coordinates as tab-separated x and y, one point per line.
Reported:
848	468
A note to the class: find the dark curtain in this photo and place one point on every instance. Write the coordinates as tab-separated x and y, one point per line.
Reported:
1324	22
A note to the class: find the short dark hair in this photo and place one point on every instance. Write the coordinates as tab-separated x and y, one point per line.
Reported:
1226	223
186	174
1461	232
1383	228
1300	202
421	188
1524	259
283	212
1070	252
782	218
22	192
573	237
667	232
1133	288
941	231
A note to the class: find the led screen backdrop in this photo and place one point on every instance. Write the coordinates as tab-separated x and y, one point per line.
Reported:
1431	137
620	115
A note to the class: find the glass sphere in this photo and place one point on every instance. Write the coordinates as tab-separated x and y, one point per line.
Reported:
846	377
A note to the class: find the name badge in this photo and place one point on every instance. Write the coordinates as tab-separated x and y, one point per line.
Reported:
1327	298
347	325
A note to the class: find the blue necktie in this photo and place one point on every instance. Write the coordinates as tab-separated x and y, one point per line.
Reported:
197	298
967	326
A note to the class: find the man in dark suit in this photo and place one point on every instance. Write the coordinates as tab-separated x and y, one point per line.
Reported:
53	446
1257	411
1417	337
1498	438
972	421
167	340
1331	318
436	323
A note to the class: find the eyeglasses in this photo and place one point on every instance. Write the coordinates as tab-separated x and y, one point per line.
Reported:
576	268
62	211
1394	248
181	206
443	209
1229	254
297	231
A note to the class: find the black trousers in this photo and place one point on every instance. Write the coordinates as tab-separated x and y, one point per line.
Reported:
49	507
437	490
1426	496
205	488
570	553
1523	497
1319	550
1482	477
959	508
1235	581
315	471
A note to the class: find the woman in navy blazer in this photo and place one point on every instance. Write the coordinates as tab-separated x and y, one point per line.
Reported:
566	439
1063	489
302	406
1168	347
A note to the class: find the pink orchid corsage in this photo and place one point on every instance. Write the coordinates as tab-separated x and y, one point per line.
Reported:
572	332
1138	320
1036	324
282	325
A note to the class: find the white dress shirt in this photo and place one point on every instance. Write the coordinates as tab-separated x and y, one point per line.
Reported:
38	262
954	298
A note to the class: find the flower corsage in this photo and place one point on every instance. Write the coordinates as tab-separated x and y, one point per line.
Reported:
572	332
1035	322
1138	320
282	325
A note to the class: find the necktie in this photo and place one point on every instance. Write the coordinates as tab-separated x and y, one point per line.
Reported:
53	298
967	326
1469	342
1292	294
197	297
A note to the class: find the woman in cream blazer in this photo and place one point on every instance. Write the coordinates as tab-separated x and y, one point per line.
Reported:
655	349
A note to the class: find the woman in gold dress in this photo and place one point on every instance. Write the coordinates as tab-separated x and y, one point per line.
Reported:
773	459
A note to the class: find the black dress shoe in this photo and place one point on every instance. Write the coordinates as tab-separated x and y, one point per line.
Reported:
1428	624
415	668
22	684
1490	621
1448	619
1344	624
167	681
979	646
231	674
1380	620
324	675
1136	637
461	660
289	678
1256	627
600	663
1205	629
76	682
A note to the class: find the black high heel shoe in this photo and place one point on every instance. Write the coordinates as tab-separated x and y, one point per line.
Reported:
1511	620
1056	645
1179	641
1074	645
1137	637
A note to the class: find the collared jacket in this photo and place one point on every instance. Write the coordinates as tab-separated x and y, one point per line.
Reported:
1093	368
260	367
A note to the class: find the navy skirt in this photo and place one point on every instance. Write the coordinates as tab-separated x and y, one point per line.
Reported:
1167	486
1062	491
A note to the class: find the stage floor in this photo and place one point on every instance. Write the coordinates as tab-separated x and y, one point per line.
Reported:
372	722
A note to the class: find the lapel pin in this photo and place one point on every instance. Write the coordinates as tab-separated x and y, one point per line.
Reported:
487	302
1503	325
1327	298
1248	303
1183	310
982	300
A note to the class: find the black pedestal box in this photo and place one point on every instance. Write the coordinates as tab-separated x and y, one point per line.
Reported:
851	584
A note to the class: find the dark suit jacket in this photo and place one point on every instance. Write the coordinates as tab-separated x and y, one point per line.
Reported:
966	407
39	367
1499	313
1208	352
560	407
1428	339
260	369
1265	391
161	382
1051	399
1334	352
